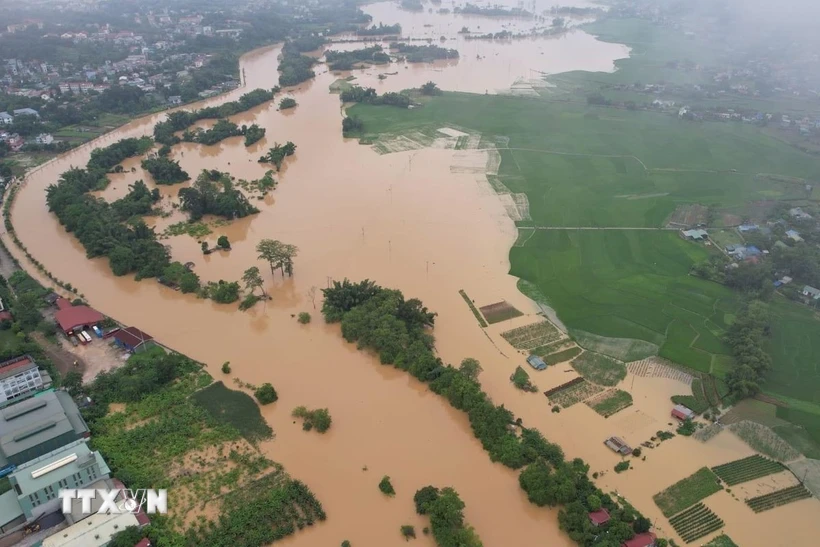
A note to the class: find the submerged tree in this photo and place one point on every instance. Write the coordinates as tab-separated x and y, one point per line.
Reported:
277	255
253	280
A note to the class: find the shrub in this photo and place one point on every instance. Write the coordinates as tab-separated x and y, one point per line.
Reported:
423	497
346	543
266	394
621	467
636	452
319	418
223	242
304	318
408	532
556	409
226	367
386	486
687	428
287	102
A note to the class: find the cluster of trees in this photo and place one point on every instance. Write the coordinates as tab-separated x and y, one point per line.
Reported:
423	54
345	60
129	247
380	30
287	102
221	130
164	132
277	255
357	94
430	89
398	331
137	202
746	336
446	511
266	394
295	68
177	275
278	153
318	419
412	5
495	11
213	193
253	134
165	170
754	279
109	157
351	125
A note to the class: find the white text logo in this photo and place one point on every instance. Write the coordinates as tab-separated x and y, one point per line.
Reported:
115	502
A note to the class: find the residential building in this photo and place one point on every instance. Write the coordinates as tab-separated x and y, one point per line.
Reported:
647	539
44	138
26	112
6	118
35	484
536	362
599	517
96	530
682	413
20	378
71	318
696	235
617	444
811	292
38	425
794	235
133	339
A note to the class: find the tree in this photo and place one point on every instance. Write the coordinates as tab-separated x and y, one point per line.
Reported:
304	318
223	242
311	293
253	280
593	502
265	394
430	88
408	532
471	368
424	497
226	367
189	282
204	246
287	102
277	255
641	525
386	487
73	382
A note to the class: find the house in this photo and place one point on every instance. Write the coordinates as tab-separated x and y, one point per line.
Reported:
751	250
811	292
695	235
20	378
616	444
44	138
133	339
682	413
35	484
748	228
794	235
599	517
175	99
98	529
71	318
6	118
797	212
647	539
536	362
38	425
26	112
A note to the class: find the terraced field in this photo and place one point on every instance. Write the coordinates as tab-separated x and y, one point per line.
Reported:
695	522
747	469
778	498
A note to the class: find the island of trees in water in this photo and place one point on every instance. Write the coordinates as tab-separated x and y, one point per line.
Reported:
213	193
397	330
380	30
295	68
423	54
222	130
346	60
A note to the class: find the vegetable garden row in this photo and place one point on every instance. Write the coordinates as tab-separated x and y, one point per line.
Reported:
695	522
778	498
747	469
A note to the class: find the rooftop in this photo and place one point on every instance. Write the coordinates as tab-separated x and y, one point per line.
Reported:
93	531
132	336
54	466
601	516
641	540
77	316
13	366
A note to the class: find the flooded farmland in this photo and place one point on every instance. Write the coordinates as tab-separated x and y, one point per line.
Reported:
424	221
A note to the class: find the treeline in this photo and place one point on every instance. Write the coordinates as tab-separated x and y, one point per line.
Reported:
746	336
344	60
221	130
253	134
380	30
137	202
446	512
106	159
295	68
496	11
423	54
398	331
368	95
165	170
164	132
213	193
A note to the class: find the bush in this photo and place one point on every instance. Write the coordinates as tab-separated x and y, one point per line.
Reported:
266	394
223	242
423	497
687	428
287	102
386	487
621	467
556	409
346	543
226	367
304	318
319	418
636	452
408	532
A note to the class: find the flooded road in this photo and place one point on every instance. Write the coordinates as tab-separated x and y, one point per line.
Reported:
419	221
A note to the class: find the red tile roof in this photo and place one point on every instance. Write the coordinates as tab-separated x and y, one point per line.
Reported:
5	315
77	316
599	517
144	542
132	336
641	540
62	303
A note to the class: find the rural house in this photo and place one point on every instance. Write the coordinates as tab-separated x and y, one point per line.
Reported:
599	517
536	362
71	318
133	339
682	413
696	235
794	235
647	539
617	444
811	292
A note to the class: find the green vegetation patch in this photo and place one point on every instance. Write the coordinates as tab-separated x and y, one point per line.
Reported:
764	440
623	349
561	356
778	498
574	394
197	230
599	369
747	469
235	408
532	336
609	402
475	311
722	541
687	492
500	311
695	522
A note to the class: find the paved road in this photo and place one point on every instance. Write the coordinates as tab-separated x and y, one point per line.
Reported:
592	228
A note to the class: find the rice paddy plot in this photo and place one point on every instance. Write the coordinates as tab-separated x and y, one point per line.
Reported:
498	312
778	498
747	469
575	393
721	541
656	367
554	347
532	336
688	491
561	356
764	440
695	522
610	402
599	369
623	349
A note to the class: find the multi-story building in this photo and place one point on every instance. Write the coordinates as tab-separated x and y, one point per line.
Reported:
20	378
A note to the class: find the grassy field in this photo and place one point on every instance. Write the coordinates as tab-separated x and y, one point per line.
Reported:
747	469
687	492
599	369
610	402
721	541
236	408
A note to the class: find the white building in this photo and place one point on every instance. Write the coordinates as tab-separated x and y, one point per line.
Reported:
20	377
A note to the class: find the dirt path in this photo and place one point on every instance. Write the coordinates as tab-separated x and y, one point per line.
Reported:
64	360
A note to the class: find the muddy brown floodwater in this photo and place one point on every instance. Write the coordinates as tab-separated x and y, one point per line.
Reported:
424	221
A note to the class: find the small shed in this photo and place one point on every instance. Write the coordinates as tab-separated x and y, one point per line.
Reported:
697	235
682	413
71	318
599	517
133	339
536	362
617	444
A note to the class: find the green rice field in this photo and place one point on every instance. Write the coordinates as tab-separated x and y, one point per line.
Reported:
747	469
695	522
687	492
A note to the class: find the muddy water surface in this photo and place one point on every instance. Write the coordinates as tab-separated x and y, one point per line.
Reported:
408	221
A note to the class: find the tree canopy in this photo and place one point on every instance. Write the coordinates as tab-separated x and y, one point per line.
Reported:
213	193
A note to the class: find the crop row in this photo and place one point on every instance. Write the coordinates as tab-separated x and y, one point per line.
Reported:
747	469
778	498
695	522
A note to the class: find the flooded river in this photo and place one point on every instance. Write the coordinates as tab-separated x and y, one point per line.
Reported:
408	220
